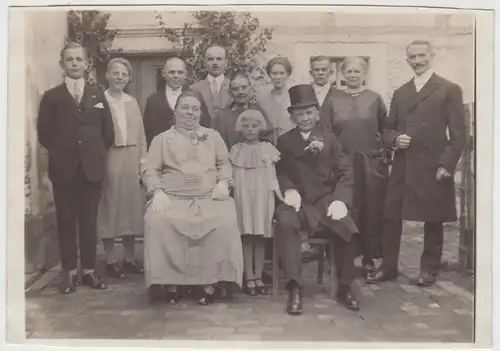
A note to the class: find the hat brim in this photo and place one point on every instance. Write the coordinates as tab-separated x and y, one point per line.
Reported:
306	104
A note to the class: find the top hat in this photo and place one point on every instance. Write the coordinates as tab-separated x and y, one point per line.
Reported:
302	95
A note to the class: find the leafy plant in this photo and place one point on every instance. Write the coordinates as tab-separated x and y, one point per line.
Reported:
237	32
89	28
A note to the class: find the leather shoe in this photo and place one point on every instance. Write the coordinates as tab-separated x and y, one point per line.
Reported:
426	279
94	281
346	297
69	283
294	305
132	268
380	276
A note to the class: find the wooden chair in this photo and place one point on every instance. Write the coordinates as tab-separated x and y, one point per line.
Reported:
326	244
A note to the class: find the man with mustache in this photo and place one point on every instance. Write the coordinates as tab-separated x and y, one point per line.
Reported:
159	112
214	89
421	184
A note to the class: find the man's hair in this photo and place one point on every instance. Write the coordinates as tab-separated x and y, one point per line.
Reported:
420	42
72	45
239	74
319	58
175	58
279	60
216	46
122	61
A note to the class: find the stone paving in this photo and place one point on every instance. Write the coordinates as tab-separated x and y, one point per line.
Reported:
392	311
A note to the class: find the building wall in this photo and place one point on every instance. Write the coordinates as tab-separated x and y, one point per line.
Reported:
44	37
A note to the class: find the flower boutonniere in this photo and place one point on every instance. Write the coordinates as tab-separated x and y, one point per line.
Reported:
198	137
315	146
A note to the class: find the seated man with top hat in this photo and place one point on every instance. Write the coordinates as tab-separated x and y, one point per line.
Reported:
316	178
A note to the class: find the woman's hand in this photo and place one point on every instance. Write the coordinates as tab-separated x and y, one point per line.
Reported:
221	191
161	202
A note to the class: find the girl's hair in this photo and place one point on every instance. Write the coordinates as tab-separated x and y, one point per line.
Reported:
251	115
187	93
122	61
279	60
354	59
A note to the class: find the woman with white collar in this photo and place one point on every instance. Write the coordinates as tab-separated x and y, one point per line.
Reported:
121	211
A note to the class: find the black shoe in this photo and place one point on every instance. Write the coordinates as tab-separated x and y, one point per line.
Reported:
368	269
156	294
294	304
132	268
224	291
94	281
260	287
203	297
114	270
380	276
346	297
69	283
250	290
172	298
425	279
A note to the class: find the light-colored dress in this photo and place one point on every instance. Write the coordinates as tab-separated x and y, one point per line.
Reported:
121	209
197	241
254	180
276	112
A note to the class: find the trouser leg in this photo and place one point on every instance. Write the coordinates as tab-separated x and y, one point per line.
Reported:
65	199
391	241
344	252
430	261
129	247
109	250
288	241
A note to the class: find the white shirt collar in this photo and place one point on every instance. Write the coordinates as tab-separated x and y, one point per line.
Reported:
72	83
305	135
319	87
420	80
169	90
218	79
124	97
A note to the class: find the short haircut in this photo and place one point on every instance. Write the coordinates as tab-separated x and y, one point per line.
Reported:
279	60
216	46
354	59
319	58
420	42
188	93
174	58
237	74
251	115
119	60
72	45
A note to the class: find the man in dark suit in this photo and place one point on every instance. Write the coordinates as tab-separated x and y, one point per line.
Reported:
421	184
321	72
75	126
159	112
316	178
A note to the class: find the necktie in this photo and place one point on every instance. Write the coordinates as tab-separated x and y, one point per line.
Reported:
214	88
77	94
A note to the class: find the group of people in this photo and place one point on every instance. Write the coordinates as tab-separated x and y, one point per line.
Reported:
207	173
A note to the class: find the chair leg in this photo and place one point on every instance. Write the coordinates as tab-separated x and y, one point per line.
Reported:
333	270
321	266
275	288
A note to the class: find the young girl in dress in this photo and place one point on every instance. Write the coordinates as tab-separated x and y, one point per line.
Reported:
255	184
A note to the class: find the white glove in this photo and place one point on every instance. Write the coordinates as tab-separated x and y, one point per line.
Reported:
161	202
221	191
337	210
292	199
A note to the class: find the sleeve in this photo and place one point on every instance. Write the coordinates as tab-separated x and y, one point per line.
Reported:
381	116
147	123
390	132
205	119
224	169
344	175
153	166
108	131
455	115
45	123
142	143
327	117
282	170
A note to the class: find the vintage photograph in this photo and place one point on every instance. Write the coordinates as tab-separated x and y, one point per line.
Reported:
298	175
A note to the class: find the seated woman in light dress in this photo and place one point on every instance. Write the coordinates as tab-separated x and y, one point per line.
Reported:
191	231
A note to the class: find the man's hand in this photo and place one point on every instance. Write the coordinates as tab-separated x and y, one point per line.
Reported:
337	210
403	141
293	199
442	173
161	202
221	191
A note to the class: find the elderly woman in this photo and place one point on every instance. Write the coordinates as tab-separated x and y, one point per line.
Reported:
121	210
358	118
191	231
274	103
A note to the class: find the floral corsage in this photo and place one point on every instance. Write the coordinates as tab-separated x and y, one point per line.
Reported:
315	146
198	137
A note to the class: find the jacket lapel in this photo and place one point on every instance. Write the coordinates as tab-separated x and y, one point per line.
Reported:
207	94
297	142
431	85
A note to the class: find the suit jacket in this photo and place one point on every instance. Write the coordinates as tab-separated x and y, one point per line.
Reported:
325	107
74	134
159	115
319	179
217	103
413	192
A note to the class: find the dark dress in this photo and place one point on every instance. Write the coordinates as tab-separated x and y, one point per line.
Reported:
359	120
